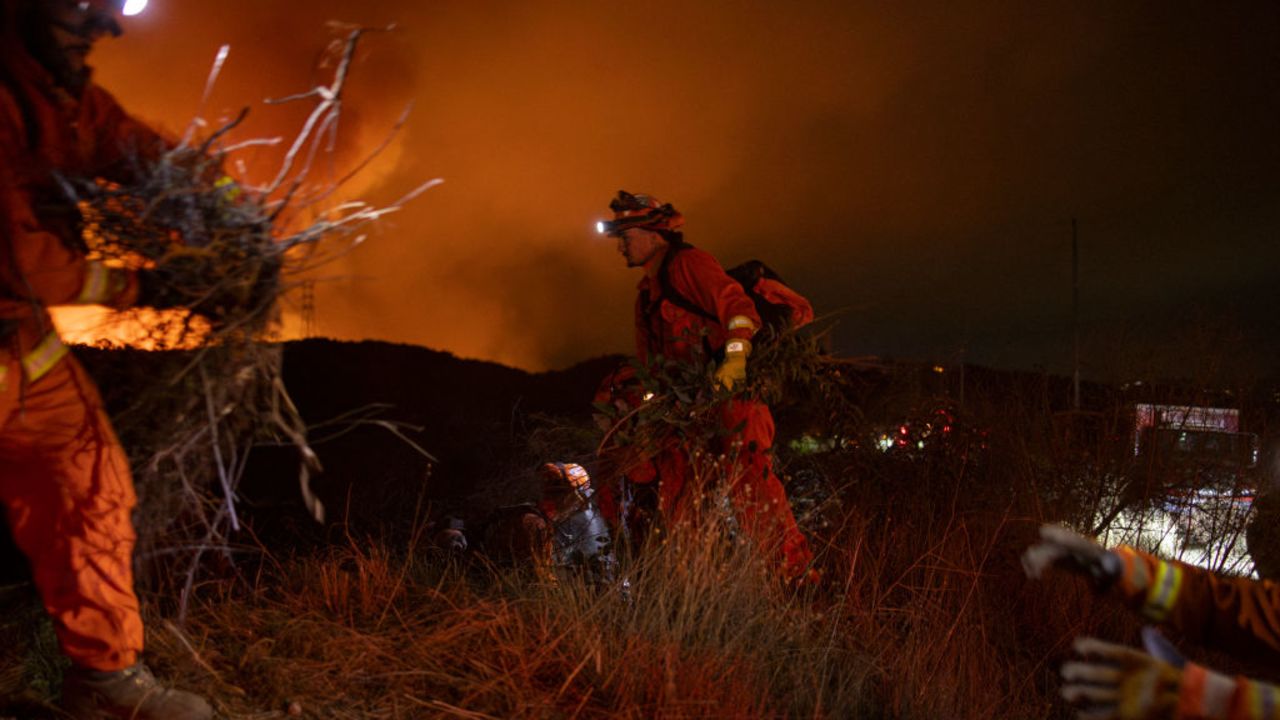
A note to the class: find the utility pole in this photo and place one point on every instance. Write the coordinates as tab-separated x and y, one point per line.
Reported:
1075	318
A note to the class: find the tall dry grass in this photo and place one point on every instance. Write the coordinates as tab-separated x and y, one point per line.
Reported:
924	611
918	617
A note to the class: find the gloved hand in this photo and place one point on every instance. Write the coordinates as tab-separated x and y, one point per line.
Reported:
230	190
733	371
1073	551
1114	682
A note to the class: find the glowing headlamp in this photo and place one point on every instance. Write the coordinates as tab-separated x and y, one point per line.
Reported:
615	227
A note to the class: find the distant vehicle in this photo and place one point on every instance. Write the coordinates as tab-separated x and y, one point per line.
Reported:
1199	447
1191	477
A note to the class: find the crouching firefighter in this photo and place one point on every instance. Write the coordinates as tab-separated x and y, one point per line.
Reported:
565	530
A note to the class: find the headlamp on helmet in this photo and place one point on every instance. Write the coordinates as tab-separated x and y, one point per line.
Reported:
639	211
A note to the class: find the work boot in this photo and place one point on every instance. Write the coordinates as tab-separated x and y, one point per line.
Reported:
129	694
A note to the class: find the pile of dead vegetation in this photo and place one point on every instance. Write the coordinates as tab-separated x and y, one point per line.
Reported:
216	257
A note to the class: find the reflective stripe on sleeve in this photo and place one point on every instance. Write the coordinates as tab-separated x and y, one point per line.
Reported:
1263	701
1203	694
97	283
1134	579
738	322
43	357
1215	695
1163	593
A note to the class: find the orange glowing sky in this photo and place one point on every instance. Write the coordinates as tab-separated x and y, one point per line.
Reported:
912	165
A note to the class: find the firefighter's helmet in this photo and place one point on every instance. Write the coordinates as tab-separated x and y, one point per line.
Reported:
559	478
642	211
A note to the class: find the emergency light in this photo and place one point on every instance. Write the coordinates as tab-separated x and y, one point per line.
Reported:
133	7
601	227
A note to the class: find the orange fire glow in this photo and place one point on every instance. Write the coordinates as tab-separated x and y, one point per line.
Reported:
876	158
97	325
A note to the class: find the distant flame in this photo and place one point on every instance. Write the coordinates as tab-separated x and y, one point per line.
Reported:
97	325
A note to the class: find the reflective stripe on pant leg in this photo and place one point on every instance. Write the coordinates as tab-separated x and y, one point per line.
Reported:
69	495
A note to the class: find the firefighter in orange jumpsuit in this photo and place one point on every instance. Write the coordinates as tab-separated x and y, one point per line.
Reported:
1235	614
688	308
64	477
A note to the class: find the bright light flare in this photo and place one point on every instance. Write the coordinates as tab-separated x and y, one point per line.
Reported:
600	227
133	7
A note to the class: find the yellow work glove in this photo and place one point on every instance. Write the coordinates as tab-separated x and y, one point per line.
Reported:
229	189
733	371
1114	682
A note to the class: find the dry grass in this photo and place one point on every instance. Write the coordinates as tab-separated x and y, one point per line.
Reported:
921	616
924	613
701	630
365	631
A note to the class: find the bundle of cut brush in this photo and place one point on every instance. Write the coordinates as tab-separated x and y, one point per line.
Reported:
214	259
202	245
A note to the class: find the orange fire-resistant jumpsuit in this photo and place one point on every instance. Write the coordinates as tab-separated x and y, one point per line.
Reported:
1239	615
664	328
64	477
1236	614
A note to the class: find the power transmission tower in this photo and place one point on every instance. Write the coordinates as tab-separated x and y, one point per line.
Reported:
308	309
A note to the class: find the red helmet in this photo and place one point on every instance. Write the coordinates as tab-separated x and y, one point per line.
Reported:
642	211
561	477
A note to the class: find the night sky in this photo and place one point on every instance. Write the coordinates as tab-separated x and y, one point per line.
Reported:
913	167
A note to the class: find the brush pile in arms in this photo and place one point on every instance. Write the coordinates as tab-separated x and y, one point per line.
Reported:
199	240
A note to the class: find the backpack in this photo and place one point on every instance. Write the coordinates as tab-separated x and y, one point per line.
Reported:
775	317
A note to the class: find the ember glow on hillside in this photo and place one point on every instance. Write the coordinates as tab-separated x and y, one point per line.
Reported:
914	169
